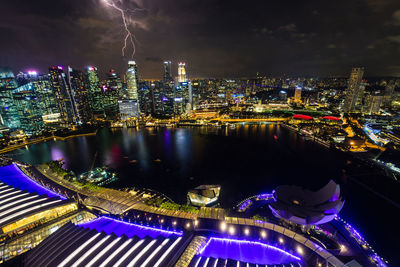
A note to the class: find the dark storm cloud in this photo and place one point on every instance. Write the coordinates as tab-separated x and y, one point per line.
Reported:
215	37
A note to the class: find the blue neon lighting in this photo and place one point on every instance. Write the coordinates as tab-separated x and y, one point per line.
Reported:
110	225
246	251
14	177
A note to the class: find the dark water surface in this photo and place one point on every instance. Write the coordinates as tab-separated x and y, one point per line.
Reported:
245	161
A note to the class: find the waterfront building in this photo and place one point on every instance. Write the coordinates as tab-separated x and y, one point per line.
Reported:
28	108
354	91
30	212
305	207
80	95
8	110
128	108
63	96
95	92
182	72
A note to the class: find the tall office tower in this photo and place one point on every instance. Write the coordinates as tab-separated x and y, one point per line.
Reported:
145	95
354	91
389	90
63	95
110	102
297	94
114	81
80	95
8	111
167	71
95	92
46	98
132	83
182	72
182	98
132	80
163	98
28	107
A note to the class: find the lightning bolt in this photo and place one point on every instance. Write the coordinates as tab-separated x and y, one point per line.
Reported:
129	37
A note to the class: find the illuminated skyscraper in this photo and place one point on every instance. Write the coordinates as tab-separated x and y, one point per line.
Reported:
167	71
145	94
183	97
132	80
95	93
110	102
297	94
80	95
45	95
354	91
182	72
28	107
8	111
63	95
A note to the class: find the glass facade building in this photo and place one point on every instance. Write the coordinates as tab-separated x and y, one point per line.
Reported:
63	95
8	111
80	95
95	93
28	108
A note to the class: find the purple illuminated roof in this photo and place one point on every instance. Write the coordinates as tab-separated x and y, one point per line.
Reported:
14	177
109	225
246	251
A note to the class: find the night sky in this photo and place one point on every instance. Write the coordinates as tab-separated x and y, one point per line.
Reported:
217	38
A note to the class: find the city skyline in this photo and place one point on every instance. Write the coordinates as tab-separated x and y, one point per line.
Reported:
217	39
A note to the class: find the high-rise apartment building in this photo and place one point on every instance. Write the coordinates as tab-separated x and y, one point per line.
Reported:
8	111
354	91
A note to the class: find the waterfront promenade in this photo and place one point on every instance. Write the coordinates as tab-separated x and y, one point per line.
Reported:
26	143
114	201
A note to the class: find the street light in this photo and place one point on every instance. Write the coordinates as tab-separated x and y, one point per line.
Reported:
246	231
231	230
222	226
